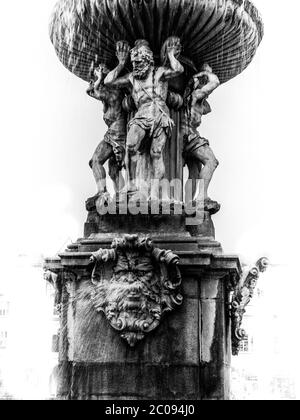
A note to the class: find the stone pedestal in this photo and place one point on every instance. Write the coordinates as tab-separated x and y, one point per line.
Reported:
186	357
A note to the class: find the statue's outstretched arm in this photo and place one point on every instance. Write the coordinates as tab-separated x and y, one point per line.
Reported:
95	89
173	51
113	79
92	92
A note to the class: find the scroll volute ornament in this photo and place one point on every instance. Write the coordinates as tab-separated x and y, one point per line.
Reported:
241	299
135	285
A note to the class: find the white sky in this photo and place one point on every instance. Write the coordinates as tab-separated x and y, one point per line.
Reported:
50	128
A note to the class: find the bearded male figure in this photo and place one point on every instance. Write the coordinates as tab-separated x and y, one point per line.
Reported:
152	122
197	153
112	147
135	285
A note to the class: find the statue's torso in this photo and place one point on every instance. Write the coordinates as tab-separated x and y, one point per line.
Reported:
149	90
112	103
194	111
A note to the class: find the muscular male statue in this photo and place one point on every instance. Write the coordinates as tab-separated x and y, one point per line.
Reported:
112	147
149	85
197	153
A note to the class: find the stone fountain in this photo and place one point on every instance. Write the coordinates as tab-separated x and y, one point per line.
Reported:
150	306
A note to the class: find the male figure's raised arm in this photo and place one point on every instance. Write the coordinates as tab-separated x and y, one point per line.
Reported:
113	79
91	91
95	88
173	49
212	83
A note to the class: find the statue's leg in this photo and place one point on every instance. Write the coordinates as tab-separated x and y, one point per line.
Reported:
206	157
116	174
194	170
135	137
158	165
103	152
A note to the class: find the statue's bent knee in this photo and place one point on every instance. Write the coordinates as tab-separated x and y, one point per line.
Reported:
131	149
156	154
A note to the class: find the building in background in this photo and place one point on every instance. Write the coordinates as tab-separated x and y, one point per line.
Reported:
54	338
28	333
4	314
262	370
4	337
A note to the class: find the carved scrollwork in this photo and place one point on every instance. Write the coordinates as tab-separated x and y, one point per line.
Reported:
55	279
241	298
58	278
135	285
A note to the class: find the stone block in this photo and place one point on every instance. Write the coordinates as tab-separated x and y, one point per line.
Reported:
130	381
212	287
176	339
191	287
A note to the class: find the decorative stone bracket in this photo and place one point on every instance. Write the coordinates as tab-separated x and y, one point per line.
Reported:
240	300
59	278
135	285
55	279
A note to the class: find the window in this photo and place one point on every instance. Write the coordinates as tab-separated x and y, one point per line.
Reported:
283	388
253	383
3	339
246	345
3	309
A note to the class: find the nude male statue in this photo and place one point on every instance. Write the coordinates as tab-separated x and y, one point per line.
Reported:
197	153
112	147
149	86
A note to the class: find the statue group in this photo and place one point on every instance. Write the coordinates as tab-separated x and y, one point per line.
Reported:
137	106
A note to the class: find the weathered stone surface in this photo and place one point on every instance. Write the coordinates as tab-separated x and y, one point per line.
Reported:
215	359
129	223
186	357
128	381
175	341
190	287
212	286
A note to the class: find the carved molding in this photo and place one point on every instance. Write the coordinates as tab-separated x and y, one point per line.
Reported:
55	279
241	299
135	284
58	278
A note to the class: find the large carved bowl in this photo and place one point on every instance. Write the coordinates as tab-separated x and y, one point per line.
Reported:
224	33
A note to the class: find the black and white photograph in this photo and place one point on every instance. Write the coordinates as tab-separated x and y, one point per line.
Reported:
150	198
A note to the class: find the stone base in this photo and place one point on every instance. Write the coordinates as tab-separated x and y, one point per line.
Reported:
166	221
186	357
